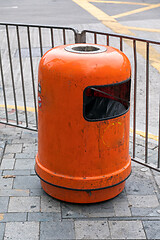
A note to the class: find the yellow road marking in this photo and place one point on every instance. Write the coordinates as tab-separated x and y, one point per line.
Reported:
144	29
143	134
21	190
96	12
1	216
136	11
30	109
116	27
118	2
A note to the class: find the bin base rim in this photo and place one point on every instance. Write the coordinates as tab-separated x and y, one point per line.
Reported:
82	197
76	189
83	183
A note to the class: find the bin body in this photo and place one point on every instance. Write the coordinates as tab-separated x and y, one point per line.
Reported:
81	160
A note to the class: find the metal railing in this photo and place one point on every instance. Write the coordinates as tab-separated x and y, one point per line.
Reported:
22	46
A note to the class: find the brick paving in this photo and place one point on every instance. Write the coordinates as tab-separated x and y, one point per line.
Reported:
27	212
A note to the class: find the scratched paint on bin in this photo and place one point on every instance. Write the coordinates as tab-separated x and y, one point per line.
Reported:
117	128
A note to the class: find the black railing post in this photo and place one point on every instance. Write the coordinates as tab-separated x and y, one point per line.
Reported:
80	37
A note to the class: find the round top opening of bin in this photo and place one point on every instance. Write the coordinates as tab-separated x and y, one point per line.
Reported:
85	48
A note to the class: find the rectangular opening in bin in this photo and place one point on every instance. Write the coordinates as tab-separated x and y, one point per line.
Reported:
106	102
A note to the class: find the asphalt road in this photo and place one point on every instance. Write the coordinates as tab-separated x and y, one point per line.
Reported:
54	12
68	12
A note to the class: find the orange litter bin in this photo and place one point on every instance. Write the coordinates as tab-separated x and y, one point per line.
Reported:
83	122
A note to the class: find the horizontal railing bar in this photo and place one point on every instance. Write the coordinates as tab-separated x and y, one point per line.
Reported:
37	25
121	36
145	164
76	31
19	126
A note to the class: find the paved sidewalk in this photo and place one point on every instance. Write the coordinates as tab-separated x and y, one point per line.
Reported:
26	212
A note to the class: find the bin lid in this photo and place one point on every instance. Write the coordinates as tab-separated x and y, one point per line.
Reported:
85	48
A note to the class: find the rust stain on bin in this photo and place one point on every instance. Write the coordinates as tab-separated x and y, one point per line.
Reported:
78	154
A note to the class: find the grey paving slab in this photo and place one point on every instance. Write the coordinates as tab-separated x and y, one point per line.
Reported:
121	208
4	204
121	205
30	148
30	145
127	230
13	217
22	231
130	148
2	228
17	172
140	150
14	192
6	183
153	158
141	141
92	230
8	155
49	204
1	149
24	163
29	134
32	171
152	229
138	176
44	216
25	155
37	192
146	211
143	201
7	163
157	179
21	140
57	230
11	130
25	182
104	209
9	135
1	152
24	204
13	148
155	173
2	144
